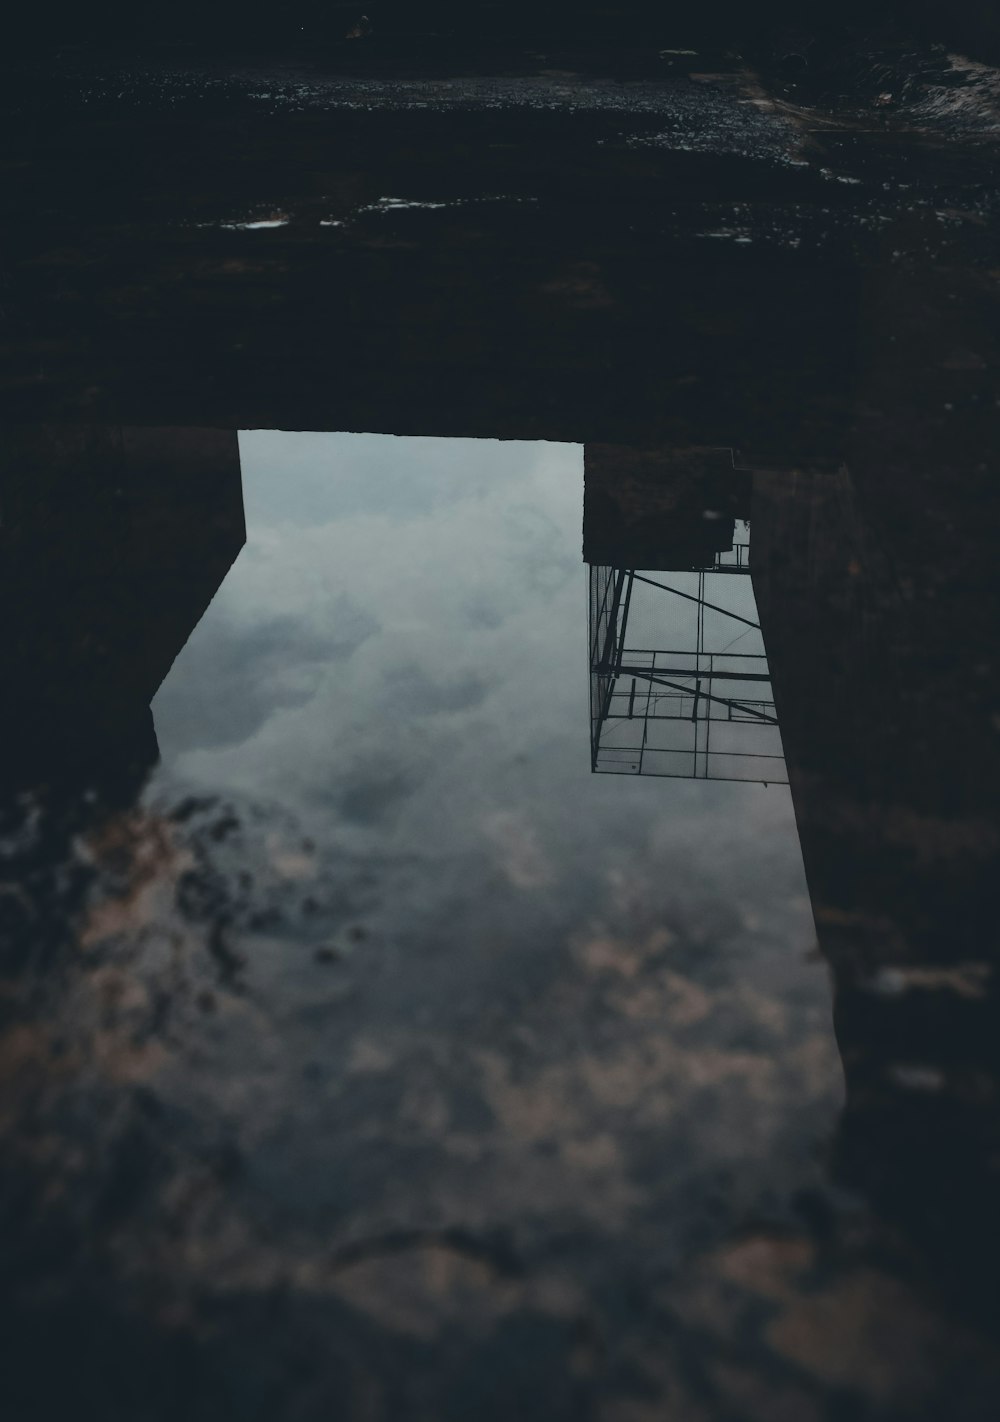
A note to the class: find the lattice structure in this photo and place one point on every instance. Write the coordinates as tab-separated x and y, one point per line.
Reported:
679	682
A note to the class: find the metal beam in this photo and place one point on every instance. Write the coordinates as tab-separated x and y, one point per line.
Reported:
700	600
700	675
686	691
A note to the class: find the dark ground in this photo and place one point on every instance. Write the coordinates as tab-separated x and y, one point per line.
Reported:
798	261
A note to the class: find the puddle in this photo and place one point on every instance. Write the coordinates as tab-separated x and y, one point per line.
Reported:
394	670
394	911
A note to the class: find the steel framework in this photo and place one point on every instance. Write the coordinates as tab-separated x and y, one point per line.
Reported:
668	694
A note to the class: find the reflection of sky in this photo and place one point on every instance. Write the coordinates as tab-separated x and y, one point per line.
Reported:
398	659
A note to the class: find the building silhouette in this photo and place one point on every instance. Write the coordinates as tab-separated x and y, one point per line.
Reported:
113	542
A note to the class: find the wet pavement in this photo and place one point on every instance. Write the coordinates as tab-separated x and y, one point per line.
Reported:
499	831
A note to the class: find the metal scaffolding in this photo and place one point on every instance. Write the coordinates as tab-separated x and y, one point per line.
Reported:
679	682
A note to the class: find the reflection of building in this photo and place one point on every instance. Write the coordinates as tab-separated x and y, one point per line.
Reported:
869	610
114	541
679	682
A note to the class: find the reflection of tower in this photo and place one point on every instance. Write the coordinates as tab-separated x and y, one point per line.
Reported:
113	543
892	769
679	678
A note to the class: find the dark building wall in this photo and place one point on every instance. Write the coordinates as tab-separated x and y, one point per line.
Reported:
890	770
114	541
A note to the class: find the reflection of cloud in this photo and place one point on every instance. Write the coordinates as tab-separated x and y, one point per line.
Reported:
371	794
480	612
383	548
419	692
522	857
235	677
542	560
